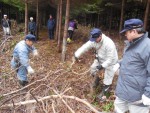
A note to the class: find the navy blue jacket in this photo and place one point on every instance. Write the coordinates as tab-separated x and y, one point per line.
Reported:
32	26
6	23
134	74
51	24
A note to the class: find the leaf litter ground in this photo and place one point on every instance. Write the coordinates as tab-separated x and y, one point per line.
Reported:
52	75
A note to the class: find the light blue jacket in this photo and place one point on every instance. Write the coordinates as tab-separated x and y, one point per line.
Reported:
21	54
134	74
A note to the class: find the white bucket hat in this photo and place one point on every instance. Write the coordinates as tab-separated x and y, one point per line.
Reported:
31	18
5	15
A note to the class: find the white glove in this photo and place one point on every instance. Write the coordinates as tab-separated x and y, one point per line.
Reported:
30	70
35	52
116	67
146	100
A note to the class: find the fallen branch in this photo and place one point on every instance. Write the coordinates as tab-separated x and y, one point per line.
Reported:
64	101
53	96
3	95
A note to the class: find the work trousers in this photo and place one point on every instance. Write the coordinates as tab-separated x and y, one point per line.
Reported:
6	31
108	75
122	106
51	33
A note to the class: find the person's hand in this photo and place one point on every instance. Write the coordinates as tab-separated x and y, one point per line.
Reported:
30	70
74	59
35	53
99	67
146	100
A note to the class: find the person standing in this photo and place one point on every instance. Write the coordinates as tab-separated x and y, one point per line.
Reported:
32	26
6	24
20	60
133	85
105	58
51	26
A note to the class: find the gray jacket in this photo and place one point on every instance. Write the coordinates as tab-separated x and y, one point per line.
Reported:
134	75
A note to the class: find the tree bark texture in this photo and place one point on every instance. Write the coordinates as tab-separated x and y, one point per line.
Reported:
122	15
65	30
26	17
59	26
57	21
37	19
146	14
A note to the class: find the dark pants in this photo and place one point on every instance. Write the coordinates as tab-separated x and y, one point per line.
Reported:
70	33
51	33
32	32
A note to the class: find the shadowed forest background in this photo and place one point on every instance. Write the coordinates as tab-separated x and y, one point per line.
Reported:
58	85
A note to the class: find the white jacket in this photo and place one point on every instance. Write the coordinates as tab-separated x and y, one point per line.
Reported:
105	49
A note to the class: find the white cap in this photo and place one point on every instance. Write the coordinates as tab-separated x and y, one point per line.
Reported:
31	18
5	15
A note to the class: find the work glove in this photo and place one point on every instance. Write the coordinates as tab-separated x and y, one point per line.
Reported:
75	59
30	70
99	67
146	100
35	53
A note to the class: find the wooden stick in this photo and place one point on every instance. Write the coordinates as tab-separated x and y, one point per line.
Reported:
64	101
53	96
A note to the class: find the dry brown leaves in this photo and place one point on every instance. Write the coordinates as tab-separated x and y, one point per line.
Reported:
52	77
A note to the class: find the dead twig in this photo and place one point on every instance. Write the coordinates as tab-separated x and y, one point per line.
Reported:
53	96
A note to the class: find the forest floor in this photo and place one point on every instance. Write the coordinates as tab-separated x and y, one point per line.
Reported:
66	86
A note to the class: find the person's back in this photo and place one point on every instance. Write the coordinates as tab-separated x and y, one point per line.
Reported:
72	24
71	27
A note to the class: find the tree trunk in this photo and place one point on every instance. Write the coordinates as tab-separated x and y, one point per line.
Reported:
146	14
65	30
37	19
57	22
59	26
98	17
122	15
110	19
26	17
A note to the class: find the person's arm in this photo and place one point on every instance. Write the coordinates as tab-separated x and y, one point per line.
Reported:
34	51
84	48
34	26
29	26
54	23
147	88
9	22
146	95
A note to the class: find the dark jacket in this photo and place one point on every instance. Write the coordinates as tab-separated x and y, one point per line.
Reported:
134	74
5	23
32	26
51	23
